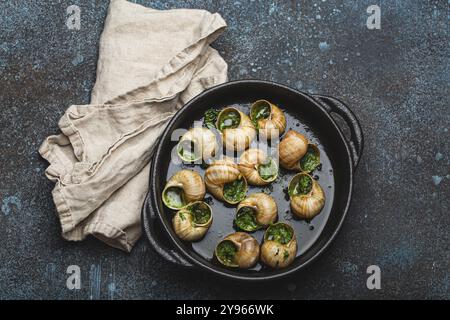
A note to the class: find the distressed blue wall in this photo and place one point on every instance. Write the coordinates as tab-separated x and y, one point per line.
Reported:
395	79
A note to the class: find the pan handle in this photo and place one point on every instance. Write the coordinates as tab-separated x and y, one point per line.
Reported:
356	140
150	225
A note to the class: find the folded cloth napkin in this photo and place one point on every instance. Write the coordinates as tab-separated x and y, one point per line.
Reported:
150	63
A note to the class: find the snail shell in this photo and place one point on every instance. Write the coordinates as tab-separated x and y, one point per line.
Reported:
203	145
291	149
236	135
254	164
276	253
183	187
193	221
262	206
306	201
221	173
245	253
270	120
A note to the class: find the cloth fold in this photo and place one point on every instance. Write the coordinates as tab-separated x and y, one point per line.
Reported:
151	62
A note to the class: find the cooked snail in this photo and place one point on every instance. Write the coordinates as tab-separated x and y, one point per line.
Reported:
256	211
196	144
183	187
292	148
280	246
237	129
225	182
238	250
257	168
311	159
269	119
307	196
193	221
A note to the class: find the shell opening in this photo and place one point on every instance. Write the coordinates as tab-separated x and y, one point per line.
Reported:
229	118
235	191
187	151
226	252
279	232
246	219
201	212
174	197
301	184
311	159
261	109
268	171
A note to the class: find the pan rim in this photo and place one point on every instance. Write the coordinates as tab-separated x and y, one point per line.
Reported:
208	266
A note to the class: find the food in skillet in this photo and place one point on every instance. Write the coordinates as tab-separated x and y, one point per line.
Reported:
183	187
197	144
297	154
238	250
256	211
236	128
193	221
225	182
280	246
268	119
257	168
306	196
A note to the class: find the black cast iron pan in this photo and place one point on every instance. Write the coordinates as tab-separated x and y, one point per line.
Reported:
307	114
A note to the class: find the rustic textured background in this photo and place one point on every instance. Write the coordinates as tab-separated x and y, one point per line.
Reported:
395	79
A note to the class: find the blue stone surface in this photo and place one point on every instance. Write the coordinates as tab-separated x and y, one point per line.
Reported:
396	80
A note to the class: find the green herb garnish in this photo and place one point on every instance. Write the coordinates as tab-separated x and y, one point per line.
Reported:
246	220
280	233
285	254
226	251
173	197
210	118
229	119
235	191
200	212
260	110
268	171
311	160
301	185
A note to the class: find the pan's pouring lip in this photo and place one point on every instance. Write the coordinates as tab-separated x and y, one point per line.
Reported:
251	277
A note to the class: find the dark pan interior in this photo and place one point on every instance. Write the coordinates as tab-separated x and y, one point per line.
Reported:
305	116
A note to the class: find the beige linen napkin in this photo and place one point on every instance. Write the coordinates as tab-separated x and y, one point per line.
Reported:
150	63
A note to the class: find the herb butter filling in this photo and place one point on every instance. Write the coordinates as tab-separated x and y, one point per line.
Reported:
260	110
311	160
268	171
226	251
235	191
229	119
200	213
210	118
301	185
173	197
280	233
246	220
